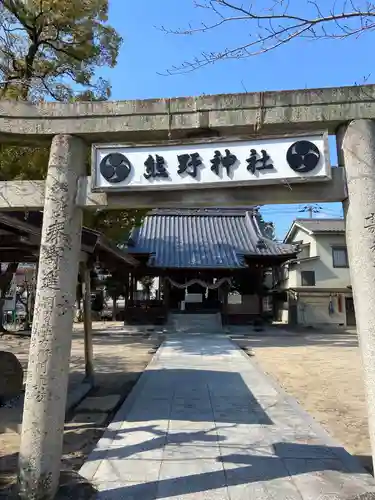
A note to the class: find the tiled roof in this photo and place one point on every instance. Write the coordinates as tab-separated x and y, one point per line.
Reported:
203	238
322	225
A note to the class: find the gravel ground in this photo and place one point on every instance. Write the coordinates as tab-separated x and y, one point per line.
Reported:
323	372
120	357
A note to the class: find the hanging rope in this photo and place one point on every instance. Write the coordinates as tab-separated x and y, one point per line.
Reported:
210	286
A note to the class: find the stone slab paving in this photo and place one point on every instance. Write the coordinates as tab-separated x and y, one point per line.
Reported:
204	422
99	404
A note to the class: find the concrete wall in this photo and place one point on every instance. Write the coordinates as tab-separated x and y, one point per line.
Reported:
306	238
326	276
313	306
313	309
311	251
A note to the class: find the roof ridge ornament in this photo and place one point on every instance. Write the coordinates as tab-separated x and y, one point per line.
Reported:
261	244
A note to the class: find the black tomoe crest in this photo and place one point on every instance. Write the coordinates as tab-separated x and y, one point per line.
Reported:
303	156
115	167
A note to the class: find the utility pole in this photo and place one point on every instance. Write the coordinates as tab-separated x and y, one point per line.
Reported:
311	209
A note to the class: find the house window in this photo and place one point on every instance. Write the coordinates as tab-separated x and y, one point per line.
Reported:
308	278
340	257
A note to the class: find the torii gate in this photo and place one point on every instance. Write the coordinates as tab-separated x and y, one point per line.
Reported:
347	112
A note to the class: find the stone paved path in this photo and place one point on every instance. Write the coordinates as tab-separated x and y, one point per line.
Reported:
204	422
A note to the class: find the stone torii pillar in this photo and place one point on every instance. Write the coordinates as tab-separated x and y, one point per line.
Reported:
356	150
49	357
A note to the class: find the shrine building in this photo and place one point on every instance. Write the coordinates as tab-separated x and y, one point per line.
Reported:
206	260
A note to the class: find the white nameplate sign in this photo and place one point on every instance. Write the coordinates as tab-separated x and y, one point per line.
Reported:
210	165
193	298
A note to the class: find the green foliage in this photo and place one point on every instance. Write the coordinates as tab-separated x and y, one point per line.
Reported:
22	163
52	48
114	285
115	224
147	282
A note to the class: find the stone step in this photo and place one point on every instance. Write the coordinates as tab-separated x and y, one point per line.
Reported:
196	323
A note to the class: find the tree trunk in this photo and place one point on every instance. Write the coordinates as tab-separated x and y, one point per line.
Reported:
5	281
87	318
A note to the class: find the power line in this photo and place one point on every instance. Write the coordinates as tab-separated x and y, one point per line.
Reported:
291	211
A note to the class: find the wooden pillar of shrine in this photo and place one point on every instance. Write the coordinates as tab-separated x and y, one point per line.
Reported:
126	294
132	290
85	268
166	293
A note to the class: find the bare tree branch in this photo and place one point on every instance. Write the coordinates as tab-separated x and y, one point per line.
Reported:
279	23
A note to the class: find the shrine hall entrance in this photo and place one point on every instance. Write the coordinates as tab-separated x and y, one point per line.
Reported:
214	260
195	298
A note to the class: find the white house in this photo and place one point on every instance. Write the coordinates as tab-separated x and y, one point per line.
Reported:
316	286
